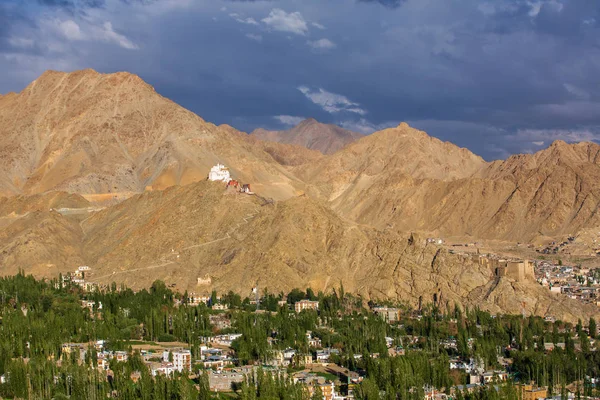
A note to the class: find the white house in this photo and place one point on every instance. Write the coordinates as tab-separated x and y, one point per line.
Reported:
289	353
182	359
165	368
306	305
219	173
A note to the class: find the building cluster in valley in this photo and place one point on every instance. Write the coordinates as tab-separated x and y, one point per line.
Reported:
314	362
220	173
79	278
317	367
317	364
576	282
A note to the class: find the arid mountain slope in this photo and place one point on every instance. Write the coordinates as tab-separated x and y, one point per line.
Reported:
36	238
288	155
112	135
325	138
400	150
554	191
86	132
235	242
403	179
40	202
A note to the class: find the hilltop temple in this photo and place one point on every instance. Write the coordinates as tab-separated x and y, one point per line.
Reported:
219	173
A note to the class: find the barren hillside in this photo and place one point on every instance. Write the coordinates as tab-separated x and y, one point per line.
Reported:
234	241
86	132
403	179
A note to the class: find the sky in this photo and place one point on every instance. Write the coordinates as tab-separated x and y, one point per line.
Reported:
498	77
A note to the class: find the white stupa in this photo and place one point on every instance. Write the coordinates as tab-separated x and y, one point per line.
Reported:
219	173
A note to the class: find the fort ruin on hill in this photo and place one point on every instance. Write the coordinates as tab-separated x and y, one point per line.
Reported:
518	270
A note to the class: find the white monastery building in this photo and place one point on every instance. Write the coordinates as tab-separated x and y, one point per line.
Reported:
219	173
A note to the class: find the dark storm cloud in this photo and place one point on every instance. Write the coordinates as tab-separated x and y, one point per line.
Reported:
568	19
71	3
386	3
497	76
86	4
9	16
5	21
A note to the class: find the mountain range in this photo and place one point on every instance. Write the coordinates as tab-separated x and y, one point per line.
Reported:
100	170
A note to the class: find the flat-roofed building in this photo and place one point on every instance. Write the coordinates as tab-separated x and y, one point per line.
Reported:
306	305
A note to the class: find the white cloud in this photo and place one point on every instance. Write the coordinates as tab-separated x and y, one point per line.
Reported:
322	44
293	22
106	33
242	20
90	31
70	30
589	21
318	25
250	21
535	7
289	120
539	143
254	37
577	92
331	102
20	42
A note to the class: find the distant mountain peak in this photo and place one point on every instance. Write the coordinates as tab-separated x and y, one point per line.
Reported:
312	134
309	120
559	143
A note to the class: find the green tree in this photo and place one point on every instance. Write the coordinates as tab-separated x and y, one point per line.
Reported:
295	296
317	393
